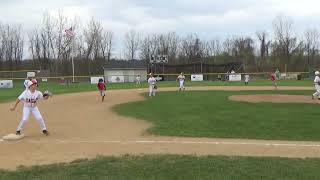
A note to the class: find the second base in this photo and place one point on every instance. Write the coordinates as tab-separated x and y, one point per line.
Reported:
13	137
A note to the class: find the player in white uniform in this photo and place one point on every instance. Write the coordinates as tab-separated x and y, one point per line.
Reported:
152	85
181	79
138	80
30	97
317	85
246	79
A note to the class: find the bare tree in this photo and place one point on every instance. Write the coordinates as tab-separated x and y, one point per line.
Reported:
106	44
192	48
18	46
285	41
11	42
264	44
173	45
92	39
145	48
60	38
227	46
212	48
311	38
160	44
132	41
243	46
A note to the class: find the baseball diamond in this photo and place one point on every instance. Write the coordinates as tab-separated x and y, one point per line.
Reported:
104	127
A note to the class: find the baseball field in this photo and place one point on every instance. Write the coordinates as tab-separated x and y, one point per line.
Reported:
213	130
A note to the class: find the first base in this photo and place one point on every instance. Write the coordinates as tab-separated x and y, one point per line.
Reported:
13	137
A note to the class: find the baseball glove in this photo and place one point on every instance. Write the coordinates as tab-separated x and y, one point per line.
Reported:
155	87
47	93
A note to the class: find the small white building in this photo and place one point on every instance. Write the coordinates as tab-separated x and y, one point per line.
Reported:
118	75
116	71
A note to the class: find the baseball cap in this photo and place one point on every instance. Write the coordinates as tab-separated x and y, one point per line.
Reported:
32	82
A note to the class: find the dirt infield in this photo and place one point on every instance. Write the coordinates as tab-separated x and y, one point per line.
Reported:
83	127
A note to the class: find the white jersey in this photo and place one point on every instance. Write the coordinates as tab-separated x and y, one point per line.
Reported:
30	99
181	78
316	81
152	81
25	84
246	78
138	78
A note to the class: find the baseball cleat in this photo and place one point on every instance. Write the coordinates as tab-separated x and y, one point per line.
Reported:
45	132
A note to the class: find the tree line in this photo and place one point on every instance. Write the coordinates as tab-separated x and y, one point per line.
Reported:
47	47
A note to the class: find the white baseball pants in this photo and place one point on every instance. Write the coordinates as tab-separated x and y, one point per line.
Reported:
152	91
25	116
317	94
181	85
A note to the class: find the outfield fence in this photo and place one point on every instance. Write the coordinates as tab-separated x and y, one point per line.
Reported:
21	75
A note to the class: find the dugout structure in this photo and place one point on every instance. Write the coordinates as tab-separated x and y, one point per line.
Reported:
120	75
125	71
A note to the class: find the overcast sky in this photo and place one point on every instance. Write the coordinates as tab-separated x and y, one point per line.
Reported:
207	18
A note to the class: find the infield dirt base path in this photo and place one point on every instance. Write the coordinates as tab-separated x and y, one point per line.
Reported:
83	127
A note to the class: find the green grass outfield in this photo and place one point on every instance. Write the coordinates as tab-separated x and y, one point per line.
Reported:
55	88
211	114
168	167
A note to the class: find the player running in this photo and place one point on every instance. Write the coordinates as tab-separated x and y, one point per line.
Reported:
274	80
102	88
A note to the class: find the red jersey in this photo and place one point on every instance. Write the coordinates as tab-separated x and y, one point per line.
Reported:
273	77
101	86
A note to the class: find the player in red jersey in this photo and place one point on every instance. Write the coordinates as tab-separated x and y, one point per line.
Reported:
274	80
102	88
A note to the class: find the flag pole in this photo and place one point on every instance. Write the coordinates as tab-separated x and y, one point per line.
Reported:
72	54
70	33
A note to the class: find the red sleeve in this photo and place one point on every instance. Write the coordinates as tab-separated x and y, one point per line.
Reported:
272	77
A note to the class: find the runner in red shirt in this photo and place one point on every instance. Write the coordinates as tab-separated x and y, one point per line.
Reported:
274	80
102	87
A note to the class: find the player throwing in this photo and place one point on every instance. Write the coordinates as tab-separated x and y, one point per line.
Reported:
181	79
30	97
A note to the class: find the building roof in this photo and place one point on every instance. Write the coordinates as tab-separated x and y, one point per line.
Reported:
121	64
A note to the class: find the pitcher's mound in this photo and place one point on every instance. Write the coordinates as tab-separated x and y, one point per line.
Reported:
275	98
13	137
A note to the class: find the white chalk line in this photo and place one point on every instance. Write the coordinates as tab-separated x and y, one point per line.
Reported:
170	142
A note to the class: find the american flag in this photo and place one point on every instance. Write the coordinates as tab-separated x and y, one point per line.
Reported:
69	32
